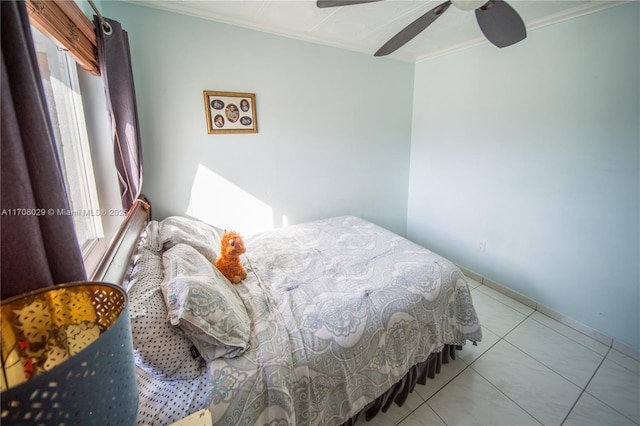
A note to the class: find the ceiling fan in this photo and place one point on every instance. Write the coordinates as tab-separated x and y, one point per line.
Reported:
498	21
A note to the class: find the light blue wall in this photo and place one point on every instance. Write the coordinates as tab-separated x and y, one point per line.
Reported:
334	126
534	150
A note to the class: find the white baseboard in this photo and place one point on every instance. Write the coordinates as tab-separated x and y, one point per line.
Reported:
569	322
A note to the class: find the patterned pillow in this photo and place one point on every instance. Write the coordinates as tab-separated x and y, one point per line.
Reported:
159	348
163	402
204	304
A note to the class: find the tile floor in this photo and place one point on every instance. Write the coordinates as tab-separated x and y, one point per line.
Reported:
528	370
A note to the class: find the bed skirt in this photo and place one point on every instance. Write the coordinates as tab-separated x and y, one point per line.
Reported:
399	392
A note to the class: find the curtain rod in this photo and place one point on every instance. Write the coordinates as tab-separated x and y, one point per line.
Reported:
105	25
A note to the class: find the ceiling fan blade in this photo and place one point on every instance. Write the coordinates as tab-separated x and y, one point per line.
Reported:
334	3
500	23
413	29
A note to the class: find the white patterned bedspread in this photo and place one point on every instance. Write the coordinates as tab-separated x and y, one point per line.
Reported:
340	311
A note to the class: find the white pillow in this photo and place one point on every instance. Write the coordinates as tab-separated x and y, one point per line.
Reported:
192	232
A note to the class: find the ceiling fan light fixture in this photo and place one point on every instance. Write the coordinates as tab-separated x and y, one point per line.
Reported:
499	22
468	4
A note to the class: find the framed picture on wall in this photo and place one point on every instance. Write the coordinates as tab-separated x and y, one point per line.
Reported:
230	112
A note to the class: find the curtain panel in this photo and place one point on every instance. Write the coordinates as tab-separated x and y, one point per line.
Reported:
38	246
115	66
103	49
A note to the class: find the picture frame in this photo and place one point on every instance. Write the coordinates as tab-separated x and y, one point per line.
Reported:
230	112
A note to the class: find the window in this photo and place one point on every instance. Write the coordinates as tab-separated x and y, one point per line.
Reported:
60	81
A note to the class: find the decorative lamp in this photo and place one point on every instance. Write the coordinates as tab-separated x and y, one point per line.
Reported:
67	357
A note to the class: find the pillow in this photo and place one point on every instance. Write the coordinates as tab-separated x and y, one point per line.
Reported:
204	304
159	348
192	232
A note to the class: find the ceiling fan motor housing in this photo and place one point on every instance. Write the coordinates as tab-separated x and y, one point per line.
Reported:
468	4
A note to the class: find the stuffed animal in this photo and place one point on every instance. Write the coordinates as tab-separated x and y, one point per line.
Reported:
228	261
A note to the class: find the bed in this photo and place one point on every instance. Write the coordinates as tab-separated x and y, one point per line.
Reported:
337	319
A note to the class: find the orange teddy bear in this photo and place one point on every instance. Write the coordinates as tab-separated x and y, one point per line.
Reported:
228	261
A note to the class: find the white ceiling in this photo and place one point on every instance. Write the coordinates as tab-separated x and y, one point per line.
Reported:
366	27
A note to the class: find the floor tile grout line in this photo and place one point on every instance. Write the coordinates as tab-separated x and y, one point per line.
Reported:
508	332
505	395
504	336
425	401
531	315
592	396
500	301
541	323
537	309
435	412
569	337
411	413
415	410
475	371
447	383
583	390
468	365
551	368
611	348
510	298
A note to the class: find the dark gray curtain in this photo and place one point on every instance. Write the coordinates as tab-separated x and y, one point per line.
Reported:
115	67
38	246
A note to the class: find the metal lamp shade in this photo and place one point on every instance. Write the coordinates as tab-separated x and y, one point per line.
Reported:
67	357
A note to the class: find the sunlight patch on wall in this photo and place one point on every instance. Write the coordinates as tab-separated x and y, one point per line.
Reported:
221	203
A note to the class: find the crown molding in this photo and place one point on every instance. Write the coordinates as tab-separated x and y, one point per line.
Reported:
183	9
203	13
